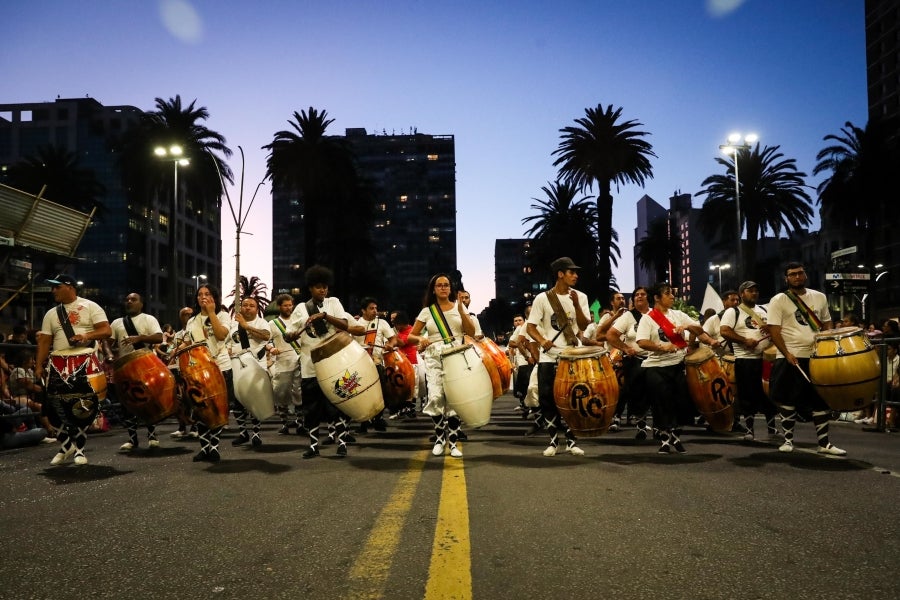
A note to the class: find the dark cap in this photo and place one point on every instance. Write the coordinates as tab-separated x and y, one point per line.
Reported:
63	279
563	263
746	286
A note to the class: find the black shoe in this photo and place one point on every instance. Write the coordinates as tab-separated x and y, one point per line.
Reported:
461	436
310	453
241	439
663	448
256	441
201	456
301	430
379	425
349	438
678	446
327	441
641	435
285	430
342	451
213	456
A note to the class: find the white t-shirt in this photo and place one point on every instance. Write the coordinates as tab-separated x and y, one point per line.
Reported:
309	339
627	326
83	315
255	345
521	352
454	320
383	332
648	329
288	358
144	324
543	317
199	330
799	338
748	328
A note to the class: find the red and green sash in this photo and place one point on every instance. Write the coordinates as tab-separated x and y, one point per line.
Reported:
815	323
668	328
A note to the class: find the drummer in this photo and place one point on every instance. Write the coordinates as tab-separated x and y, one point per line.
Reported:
311	322
661	332
249	331
442	322
795	316
377	337
557	317
85	323
187	427
622	334
286	368
211	323
135	331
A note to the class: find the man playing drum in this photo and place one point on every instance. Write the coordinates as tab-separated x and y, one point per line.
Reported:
557	316
377	337
249	331
745	326
622	335
286	369
135	331
795	316
83	323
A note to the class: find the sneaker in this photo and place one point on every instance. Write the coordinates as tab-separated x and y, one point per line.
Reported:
62	457
787	446
395	416
126	447
455	452
240	440
518	409
201	456
575	451
48	440
213	456
193	434
310	453
664	448
749	437
832	450
285	430
678	447
177	434
550	451
153	443
379	425
80	458
613	428
641	435
342	451
438	449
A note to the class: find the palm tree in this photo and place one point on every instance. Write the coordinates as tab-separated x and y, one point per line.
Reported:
67	182
320	168
602	149
773	197
566	226
250	288
659	249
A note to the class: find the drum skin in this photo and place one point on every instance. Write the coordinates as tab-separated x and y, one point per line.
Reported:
76	384
398	383
145	385
204	385
467	384
845	369
586	390
709	388
252	385
348	377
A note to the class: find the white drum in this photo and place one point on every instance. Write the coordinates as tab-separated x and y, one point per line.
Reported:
252	385
467	385
348	377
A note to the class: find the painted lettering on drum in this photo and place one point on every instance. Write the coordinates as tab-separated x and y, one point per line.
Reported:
721	392
582	399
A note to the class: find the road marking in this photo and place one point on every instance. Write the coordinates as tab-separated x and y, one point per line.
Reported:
450	571
370	571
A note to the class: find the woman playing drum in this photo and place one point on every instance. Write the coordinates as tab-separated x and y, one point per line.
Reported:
444	320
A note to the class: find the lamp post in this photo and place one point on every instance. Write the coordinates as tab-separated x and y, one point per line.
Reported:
736	143
175	154
874	277
720	268
197	279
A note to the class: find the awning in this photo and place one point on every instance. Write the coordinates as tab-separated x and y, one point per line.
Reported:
32	221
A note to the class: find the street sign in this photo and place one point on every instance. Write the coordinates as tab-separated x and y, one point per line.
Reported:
20	263
40	289
848	276
843	252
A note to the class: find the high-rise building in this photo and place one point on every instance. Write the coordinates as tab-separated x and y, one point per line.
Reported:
516	280
414	234
126	248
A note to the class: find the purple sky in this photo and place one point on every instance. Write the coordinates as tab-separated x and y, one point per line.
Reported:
503	77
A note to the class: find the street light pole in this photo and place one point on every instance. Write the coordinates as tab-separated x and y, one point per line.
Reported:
175	154
736	143
197	279
726	266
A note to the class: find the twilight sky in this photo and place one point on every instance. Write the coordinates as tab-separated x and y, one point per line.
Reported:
502	77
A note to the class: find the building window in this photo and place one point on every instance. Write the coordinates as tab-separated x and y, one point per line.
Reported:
432	157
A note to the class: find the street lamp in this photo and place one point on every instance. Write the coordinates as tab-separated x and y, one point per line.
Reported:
873	281
720	268
175	154
197	279
736	143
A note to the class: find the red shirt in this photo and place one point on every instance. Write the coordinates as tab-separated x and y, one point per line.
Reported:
408	349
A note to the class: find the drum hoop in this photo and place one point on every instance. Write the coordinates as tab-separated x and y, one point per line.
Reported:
815	356
582	352
127	358
447	351
81	351
839	334
189	348
699	356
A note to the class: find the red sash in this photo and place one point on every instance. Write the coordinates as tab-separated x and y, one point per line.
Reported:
667	328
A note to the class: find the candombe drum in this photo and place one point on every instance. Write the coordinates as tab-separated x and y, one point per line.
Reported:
489	364
709	388
204	385
845	369
768	355
76	384
501	361
586	390
617	360
252	385
348	377
467	385
145	385
398	383
727	361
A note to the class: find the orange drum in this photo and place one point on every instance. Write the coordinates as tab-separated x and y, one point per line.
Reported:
768	361
586	390
348	377
76	384
398	383
504	367
204	385
727	361
490	364
145	386
845	369
709	388
616	358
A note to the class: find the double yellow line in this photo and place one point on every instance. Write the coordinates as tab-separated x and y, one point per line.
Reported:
450	571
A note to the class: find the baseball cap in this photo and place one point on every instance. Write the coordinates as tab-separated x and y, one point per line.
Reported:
63	279
747	285
564	263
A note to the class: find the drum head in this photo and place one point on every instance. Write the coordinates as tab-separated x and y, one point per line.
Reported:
582	352
836	334
188	349
127	358
701	354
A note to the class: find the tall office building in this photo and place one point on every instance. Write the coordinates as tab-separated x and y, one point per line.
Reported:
126	248
414	233
516	280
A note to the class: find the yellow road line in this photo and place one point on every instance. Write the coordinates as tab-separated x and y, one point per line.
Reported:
369	573
450	572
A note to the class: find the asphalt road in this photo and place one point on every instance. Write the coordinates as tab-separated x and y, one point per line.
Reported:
729	519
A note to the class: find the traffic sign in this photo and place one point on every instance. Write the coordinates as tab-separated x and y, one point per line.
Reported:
24	264
843	252
848	276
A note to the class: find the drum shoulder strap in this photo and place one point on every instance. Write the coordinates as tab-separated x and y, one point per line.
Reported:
562	319
64	323
131	330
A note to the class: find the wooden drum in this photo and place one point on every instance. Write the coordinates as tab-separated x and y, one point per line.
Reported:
398	383
586	390
709	388
204	385
145	385
845	369
348	377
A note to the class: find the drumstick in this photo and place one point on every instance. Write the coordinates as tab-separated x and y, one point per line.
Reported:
802	372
